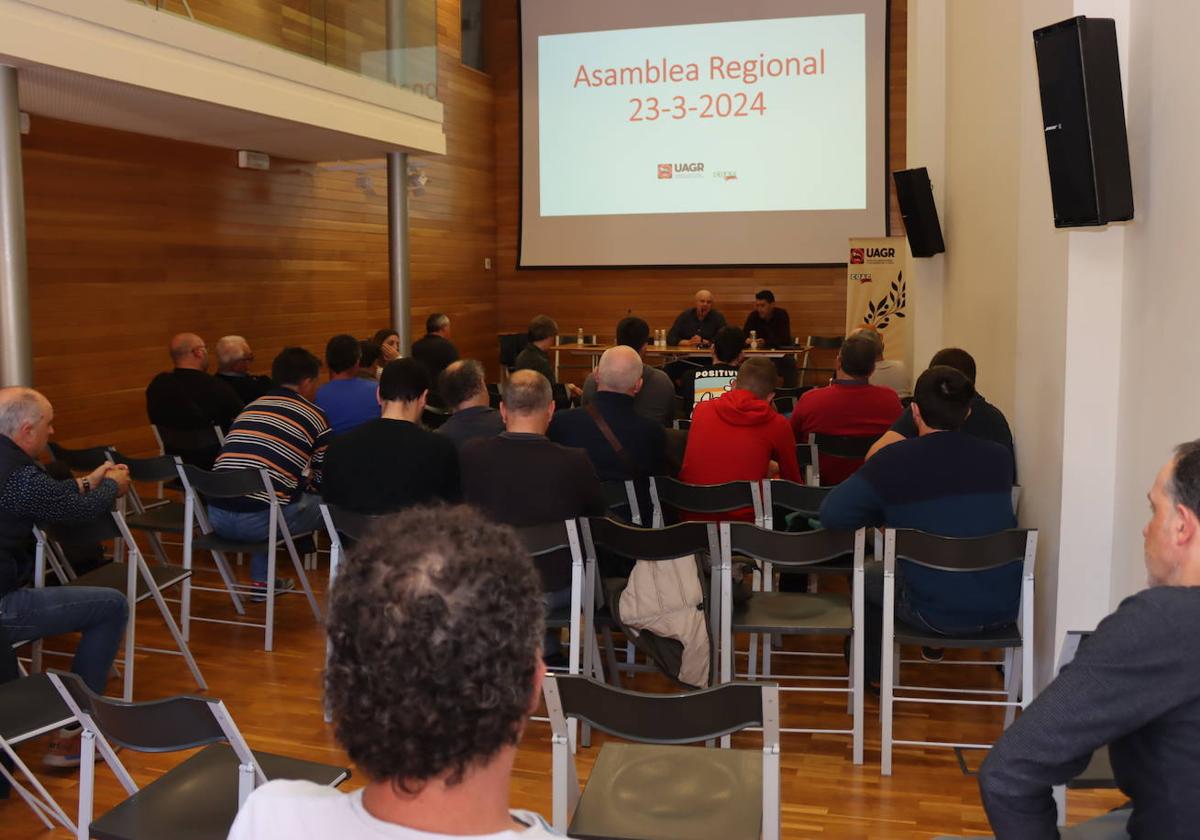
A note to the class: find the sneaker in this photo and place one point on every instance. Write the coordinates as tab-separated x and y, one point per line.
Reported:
64	749
932	654
258	590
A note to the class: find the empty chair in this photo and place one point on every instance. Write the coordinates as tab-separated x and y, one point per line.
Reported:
544	541
655	788
195	800
80	460
796	613
159	517
29	707
734	499
818	342
956	555
790	498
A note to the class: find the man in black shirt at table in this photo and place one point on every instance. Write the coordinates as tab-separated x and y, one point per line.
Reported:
773	329
392	463
1134	686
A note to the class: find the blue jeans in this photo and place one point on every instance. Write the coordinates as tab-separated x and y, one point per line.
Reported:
99	614
302	516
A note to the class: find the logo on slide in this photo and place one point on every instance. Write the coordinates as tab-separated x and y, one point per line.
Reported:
857	257
664	171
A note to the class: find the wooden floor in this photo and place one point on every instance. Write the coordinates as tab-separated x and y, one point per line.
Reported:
275	698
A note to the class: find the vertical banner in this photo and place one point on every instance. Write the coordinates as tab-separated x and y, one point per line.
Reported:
876	293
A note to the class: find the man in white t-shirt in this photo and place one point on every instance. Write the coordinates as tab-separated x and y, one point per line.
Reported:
435	664
890	373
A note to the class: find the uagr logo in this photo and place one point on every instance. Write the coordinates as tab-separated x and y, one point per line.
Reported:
664	171
856	256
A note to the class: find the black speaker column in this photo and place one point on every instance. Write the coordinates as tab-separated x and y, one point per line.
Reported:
914	193
1083	116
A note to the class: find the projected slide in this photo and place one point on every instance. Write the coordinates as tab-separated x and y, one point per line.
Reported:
755	115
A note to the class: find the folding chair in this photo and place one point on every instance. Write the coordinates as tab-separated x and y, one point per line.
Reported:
792	498
713	499
200	485
189	443
162	516
956	555
655	788
433	416
80	460
198	798
29	707
797	613
135	578
848	449
620	497
818	342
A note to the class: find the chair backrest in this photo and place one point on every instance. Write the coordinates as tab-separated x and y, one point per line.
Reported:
433	417
649	543
825	342
784	405
80	460
101	529
660	718
793	497
189	440
620	497
562	400
703	498
174	723
805	548
349	523
493	390
804	455
962	554
150	470
226	484
545	539
681	424
683	409
511	346
844	446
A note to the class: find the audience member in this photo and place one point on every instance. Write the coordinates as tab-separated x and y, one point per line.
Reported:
434	349
433	670
710	383
536	356
1134	685
388	342
521	478
698	325
28	496
233	368
187	401
464	389
368	360
888	373
348	400
285	433
944	482
740	436
984	421
392	462
849	405
656	399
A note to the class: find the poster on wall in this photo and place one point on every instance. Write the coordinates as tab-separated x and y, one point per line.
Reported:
876	293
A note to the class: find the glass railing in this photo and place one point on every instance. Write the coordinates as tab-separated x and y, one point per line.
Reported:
391	40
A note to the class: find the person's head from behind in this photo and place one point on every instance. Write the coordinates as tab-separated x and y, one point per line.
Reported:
728	346
758	376
619	371
1172	536
957	358
941	400
388	342
527	404
856	358
26	418
634	332
542	330
296	369
234	355
343	354
368	354
435	629
463	384
873	335
189	351
438	324
703	303
764	303
404	384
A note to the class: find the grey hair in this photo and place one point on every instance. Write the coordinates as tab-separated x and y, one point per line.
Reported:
620	369
229	349
19	406
527	391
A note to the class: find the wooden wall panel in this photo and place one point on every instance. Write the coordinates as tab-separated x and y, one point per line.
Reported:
596	299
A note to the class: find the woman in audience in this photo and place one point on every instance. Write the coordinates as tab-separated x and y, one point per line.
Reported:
388	342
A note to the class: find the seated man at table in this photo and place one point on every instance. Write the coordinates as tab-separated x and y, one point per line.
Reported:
536	356
463	386
694	327
1134	685
656	399
945	482
771	327
392	462
710	383
347	399
434	628
849	405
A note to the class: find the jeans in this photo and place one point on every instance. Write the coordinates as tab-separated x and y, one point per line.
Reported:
99	614
302	516
561	599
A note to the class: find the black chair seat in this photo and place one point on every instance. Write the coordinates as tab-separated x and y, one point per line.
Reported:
115	575
198	799
794	613
168	518
651	792
30	704
1001	637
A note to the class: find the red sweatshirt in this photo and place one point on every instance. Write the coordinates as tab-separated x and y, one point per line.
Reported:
734	438
844	407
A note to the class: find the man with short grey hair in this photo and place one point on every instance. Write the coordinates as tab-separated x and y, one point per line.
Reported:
434	349
464	390
233	367
890	373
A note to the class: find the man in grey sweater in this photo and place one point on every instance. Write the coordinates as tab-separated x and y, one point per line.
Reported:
1133	686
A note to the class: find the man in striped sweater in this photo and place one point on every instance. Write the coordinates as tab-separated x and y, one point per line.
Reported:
286	433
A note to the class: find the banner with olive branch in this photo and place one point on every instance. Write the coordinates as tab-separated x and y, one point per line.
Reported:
876	292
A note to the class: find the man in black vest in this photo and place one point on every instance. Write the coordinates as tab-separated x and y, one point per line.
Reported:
28	496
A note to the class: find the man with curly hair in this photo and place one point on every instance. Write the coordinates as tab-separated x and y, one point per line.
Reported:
435	630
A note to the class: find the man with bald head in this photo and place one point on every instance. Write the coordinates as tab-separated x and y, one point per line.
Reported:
697	325
187	402
233	368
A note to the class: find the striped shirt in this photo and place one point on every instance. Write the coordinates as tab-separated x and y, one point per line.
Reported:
283	433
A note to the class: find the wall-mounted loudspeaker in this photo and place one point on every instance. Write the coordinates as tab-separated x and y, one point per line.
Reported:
915	196
1083	116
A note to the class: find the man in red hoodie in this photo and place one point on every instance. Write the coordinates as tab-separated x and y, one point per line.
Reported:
740	435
